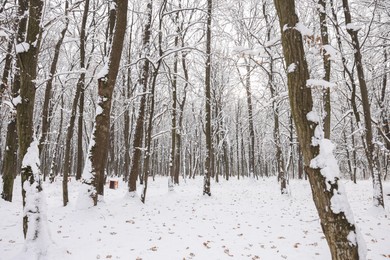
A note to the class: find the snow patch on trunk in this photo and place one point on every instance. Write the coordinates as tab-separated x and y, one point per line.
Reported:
327	163
87	189
291	68
22	47
38	236
103	72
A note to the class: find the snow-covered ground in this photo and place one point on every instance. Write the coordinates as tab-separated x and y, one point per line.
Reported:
245	219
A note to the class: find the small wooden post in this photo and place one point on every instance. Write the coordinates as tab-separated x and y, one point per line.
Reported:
113	184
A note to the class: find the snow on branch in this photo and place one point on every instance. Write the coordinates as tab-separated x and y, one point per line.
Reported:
320	83
300	27
353	27
22	47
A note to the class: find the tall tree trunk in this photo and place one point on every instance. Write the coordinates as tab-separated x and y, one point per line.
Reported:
67	163
95	165
250	120
139	132
275	106
9	166
56	154
128	93
152	101
327	67
10	159
146	169
336	220
178	153
46	115
172	163
373	161
7	68
27	56
208	129
81	85
349	73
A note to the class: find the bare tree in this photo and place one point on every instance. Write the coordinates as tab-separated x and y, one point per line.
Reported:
208	128
81	85
148	141
337	222
10	161
139	131
93	175
27	54
373	162
46	111
327	65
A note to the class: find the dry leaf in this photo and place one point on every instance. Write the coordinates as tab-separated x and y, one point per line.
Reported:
226	251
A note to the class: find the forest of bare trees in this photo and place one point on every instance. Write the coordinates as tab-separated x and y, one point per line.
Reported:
195	89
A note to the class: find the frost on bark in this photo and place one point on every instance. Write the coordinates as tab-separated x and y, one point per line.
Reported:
93	174
329	197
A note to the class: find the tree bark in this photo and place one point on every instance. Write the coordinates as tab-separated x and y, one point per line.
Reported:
46	112
172	163
9	166
81	85
208	129
327	66
139	129
337	226
148	141
275	106
128	93
178	153
67	153
10	159
250	120
98	153
28	63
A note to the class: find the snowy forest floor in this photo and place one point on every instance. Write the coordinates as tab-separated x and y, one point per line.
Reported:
243	219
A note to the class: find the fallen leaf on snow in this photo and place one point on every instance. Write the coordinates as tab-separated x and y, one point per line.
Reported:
226	251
